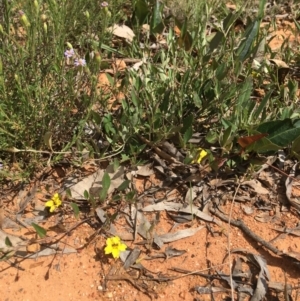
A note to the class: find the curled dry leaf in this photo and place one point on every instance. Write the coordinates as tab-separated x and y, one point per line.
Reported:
256	186
122	31
170	237
144	171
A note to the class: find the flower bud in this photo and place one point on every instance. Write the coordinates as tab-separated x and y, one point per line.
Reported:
87	14
45	27
44	17
36	5
69	45
17	79
107	12
97	57
23	19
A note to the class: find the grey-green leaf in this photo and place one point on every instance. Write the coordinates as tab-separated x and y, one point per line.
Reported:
41	232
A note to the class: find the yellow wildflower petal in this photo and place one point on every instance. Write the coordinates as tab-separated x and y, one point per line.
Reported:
114	246
116	240
56	200
115	253
108	249
122	247
51	205
201	154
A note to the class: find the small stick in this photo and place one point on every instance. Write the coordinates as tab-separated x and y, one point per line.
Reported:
240	224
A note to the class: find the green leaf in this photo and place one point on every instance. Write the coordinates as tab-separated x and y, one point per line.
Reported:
135	98
212	137
86	195
8	242
229	21
106	181
69	193
116	198
116	164
185	40
295	149
105	186
187	123
261	9
141	11
262	146
216	40
41	232
262	105
221	71
249	37
281	132
188	135
226	136
130	195
157	25
48	140
75	209
124	185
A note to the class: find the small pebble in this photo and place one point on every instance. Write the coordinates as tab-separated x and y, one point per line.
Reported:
100	288
109	295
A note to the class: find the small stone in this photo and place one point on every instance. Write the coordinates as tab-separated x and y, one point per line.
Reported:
109	295
100	288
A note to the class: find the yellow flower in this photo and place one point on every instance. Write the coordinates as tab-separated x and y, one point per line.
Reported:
114	246
200	155
54	203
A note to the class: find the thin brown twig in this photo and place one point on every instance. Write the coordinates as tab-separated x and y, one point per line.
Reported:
240	224
228	240
160	152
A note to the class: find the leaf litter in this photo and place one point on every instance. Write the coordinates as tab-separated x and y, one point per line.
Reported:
150	221
140	225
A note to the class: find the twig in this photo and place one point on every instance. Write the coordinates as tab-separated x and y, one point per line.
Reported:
228	241
161	153
31	150
240	224
198	272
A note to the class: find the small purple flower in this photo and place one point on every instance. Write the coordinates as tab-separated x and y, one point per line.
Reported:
69	53
104	4
80	62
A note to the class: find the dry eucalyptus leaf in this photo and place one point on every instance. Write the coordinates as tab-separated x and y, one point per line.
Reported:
53	249
169	206
279	63
144	171
178	207
263	278
247	210
172	252
9	224
295	231
93	183
256	186
17	243
210	290
132	257
191	194
263	217
170	237
122	31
